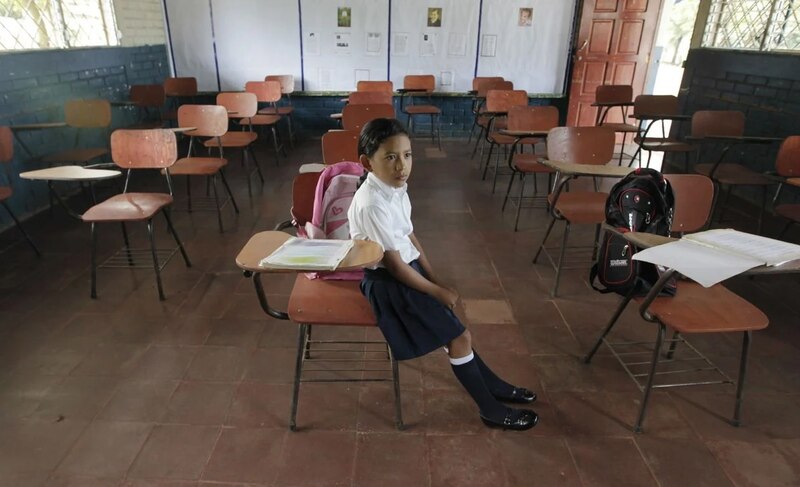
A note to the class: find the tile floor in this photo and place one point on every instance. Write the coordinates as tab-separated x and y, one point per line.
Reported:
125	390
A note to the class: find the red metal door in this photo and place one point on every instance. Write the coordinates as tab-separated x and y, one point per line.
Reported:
613	47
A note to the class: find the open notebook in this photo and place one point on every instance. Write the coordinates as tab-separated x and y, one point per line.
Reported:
308	254
715	255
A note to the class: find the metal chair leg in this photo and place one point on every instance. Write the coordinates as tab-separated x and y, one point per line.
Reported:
298	371
249	148
544	240
228	189
188	194
175	236
613	321
488	159
508	191
563	252
94	261
155	259
127	243
737	410
22	230
519	201
398	409
650	378
216	202
275	147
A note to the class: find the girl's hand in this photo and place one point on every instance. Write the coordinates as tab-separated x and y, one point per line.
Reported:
447	297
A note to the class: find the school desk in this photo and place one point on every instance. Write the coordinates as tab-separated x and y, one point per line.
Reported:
79	174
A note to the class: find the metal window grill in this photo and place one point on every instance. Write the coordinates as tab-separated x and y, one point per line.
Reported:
762	25
54	24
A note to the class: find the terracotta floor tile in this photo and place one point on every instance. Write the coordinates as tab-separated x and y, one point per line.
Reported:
236	333
256	404
21	393
217	363
140	401
333	453
34	446
163	362
678	462
536	461
111	359
105	450
487	311
754	463
610	461
454	460
376	409
81	482
175	452
272	366
246	455
391	460
200	403
504	338
327	406
76	398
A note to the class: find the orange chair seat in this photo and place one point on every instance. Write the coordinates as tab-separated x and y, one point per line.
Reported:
260	120
128	207
499	138
320	302
621	127
76	155
233	139
201	166
529	163
5	192
663	145
790	211
422	110
696	309
279	111
734	174
582	206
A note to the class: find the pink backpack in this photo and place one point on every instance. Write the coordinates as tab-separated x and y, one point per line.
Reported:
335	189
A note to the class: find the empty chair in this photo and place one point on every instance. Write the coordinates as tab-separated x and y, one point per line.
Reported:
527	119
787	165
608	97
242	106
339	145
579	145
652	111
498	105
266	92
481	119
6	156
286	88
384	86
178	91
366	98
693	310
83	115
131	150
208	121
477	97
414	86
150	99
356	116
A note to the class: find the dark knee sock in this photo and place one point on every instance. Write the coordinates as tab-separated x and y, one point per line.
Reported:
468	373
495	384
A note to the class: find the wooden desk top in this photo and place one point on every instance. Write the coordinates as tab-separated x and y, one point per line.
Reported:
612	104
180	130
793	181
525	133
38	126
70	173
660	116
568	168
260	245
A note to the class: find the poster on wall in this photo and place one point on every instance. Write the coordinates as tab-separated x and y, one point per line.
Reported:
434	17
342	43
374	43
525	17
343	17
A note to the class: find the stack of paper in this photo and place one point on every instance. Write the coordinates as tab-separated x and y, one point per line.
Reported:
308	254
715	255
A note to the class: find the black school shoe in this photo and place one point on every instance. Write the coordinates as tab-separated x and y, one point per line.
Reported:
519	395
515	419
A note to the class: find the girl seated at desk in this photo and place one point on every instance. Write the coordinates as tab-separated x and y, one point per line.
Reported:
413	308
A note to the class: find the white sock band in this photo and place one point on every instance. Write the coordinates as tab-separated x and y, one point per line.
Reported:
462	360
446	350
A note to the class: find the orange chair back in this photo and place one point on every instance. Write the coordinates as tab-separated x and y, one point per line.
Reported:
655	105
694	198
425	82
787	164
303	191
6	144
581	145
144	149
369	97
532	118
503	100
148	95
356	116
210	120
265	91
613	94
240	105
481	80
385	86
340	145
484	88
180	86
87	113
717	122
286	81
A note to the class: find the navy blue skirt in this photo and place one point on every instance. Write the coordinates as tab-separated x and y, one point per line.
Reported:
413	323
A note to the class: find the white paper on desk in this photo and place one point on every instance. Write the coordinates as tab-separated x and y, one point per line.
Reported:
705	265
308	254
767	250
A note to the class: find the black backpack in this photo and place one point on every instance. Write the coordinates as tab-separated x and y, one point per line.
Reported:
641	202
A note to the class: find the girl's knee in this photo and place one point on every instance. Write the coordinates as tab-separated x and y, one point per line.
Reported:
461	345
